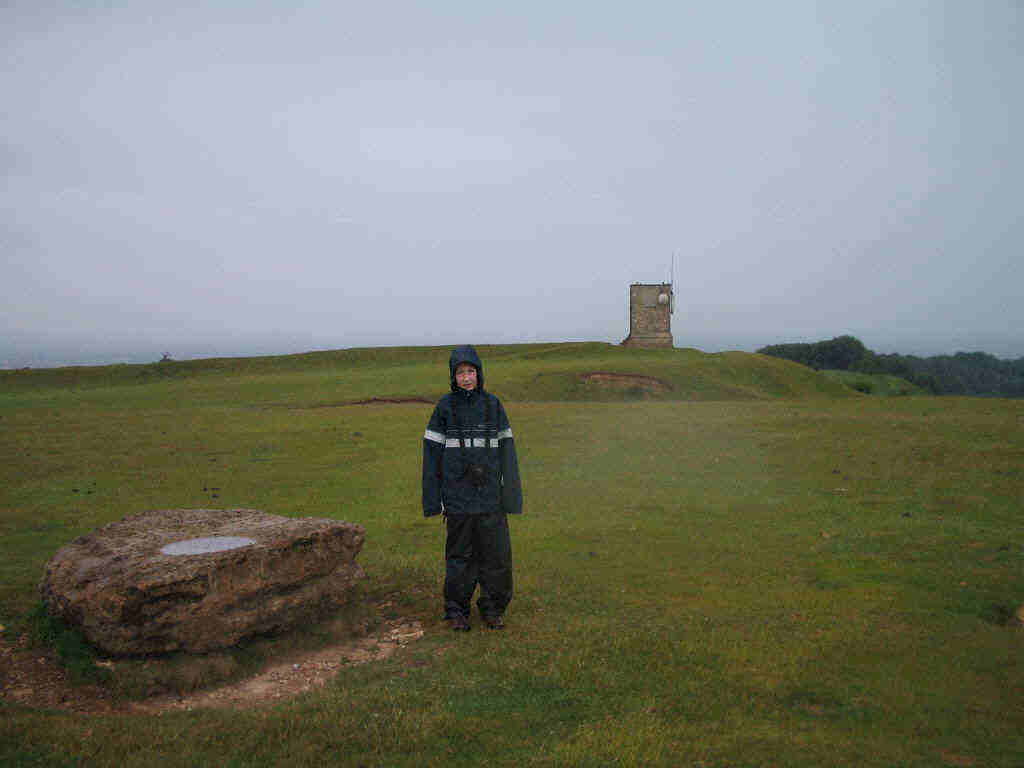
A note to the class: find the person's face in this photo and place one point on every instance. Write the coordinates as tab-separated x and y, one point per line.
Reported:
465	376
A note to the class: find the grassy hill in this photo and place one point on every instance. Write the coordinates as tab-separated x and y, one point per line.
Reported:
534	372
743	562
884	384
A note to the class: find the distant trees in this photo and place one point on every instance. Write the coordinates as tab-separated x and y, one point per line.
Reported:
843	353
965	373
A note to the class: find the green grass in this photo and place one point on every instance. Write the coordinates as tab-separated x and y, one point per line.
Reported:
757	567
883	384
73	652
534	372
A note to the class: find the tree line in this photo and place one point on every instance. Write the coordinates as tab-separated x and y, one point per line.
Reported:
964	373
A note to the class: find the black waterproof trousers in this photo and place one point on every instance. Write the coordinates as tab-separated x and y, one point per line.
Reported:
477	550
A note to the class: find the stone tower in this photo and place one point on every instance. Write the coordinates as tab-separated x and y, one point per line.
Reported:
650	315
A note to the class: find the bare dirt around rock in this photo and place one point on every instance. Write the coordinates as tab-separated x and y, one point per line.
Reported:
31	677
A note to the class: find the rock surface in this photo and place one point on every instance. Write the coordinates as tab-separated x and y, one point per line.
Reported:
127	597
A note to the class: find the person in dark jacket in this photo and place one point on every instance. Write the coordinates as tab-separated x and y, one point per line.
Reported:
471	475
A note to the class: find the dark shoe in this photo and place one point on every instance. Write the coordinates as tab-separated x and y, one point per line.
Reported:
459	623
494	622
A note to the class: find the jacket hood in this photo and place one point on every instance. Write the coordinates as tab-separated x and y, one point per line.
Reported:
466	354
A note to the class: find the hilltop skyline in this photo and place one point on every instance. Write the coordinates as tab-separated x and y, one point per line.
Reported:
51	352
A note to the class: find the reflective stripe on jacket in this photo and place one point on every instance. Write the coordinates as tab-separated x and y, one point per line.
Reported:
446	485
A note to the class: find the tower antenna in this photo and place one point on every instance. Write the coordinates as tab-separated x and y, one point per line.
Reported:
672	288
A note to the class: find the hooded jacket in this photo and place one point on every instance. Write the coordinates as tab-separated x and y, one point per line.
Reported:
469	428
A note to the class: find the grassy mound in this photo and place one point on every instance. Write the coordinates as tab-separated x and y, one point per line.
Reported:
525	372
883	384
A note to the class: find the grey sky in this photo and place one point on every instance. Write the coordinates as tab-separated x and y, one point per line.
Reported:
334	174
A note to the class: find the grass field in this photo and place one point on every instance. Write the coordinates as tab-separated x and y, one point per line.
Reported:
752	565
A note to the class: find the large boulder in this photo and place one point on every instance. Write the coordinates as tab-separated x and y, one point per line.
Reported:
199	579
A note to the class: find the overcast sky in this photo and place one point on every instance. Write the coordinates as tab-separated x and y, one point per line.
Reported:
211	178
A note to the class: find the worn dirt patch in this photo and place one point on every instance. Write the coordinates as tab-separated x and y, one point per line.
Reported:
392	400
346	403
31	677
952	758
626	380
